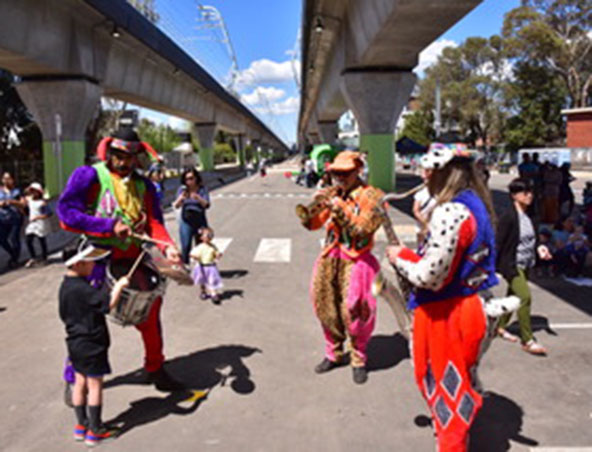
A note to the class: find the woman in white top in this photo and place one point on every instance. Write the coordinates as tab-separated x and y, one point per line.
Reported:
423	204
38	225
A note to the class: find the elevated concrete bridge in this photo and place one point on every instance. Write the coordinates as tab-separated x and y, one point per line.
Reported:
359	55
68	56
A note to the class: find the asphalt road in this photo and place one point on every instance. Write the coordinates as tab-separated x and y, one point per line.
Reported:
254	356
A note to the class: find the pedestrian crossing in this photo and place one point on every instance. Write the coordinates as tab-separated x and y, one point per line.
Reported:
279	250
269	196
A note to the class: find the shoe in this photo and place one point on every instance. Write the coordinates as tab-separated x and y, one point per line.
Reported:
68	395
360	375
204	296
79	432
326	365
92	438
164	382
534	348
507	336
30	263
216	299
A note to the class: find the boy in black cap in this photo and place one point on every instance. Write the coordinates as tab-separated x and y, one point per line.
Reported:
82	309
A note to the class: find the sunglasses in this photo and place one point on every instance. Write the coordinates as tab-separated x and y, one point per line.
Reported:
342	173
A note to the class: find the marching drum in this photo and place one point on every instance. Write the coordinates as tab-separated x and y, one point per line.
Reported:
146	285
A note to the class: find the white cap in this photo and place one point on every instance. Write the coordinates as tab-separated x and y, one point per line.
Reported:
87	252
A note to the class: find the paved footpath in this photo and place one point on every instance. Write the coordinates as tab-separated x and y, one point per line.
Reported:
254	354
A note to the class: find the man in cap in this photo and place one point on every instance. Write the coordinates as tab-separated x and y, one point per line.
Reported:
343	273
110	202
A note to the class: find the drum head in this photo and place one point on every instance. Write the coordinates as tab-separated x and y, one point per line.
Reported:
144	279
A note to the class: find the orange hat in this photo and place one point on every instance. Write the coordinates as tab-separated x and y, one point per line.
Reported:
346	161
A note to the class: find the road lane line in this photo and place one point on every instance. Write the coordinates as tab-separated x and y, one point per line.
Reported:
564	326
274	250
222	243
561	449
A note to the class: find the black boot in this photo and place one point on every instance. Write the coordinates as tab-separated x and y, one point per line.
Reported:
360	375
164	382
326	365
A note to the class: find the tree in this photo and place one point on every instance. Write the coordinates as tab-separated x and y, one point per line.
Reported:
556	34
161	137
536	97
147	9
418	127
472	78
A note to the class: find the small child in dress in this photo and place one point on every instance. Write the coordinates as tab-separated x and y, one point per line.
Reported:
82	308
576	250
38	225
205	272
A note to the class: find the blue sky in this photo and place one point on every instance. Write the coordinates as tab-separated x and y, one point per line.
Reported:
264	34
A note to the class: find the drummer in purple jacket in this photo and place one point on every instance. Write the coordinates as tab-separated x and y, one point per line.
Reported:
109	201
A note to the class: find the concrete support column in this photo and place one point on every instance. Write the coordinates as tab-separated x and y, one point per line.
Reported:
206	133
328	131
377	99
239	143
62	108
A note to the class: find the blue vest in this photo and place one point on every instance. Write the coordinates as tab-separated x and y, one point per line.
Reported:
476	271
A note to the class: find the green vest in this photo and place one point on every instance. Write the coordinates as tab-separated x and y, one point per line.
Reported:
106	206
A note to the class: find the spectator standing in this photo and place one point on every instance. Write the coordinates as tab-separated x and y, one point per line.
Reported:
156	176
552	178
566	196
423	204
193	199
38	225
516	255
12	204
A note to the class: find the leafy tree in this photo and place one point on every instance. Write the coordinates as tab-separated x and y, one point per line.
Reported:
536	97
161	137
418	127
556	34
147	9
471	77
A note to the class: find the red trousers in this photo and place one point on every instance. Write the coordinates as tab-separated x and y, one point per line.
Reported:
447	336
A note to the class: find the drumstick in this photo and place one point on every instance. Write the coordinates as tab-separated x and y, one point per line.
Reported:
138	260
147	238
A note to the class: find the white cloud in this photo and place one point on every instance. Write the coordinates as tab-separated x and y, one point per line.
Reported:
263	94
267	71
430	54
286	107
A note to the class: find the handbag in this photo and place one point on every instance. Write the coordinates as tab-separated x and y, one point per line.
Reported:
194	216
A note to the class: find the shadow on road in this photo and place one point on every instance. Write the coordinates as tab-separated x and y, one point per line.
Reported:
498	422
233	274
2	308
199	372
229	294
385	352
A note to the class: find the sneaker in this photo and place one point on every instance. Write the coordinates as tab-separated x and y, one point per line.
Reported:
79	432
204	296
30	263
326	365
164	382
360	375
92	438
534	348
216	299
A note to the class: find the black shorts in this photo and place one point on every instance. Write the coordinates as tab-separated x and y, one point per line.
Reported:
92	366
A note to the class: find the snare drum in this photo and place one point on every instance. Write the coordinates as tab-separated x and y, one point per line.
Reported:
145	287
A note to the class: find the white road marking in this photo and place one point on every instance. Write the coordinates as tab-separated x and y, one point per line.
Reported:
274	250
561	449
565	326
222	243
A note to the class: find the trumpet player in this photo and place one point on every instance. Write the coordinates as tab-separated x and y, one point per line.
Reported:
449	322
343	273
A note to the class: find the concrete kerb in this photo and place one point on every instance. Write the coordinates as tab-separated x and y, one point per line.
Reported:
57	240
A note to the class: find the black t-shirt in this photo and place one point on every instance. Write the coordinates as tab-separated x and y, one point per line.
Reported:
83	309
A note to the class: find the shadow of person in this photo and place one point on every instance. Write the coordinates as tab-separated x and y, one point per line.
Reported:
385	352
498	422
540	323
151	409
233	274
228	294
2	309
202	370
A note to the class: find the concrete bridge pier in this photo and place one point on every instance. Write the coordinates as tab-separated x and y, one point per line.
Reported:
377	99
206	133
62	107
239	143
328	131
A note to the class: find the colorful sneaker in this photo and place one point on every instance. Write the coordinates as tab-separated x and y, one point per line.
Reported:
102	434
204	296
79	432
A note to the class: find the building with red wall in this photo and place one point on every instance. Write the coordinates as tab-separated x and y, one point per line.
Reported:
579	127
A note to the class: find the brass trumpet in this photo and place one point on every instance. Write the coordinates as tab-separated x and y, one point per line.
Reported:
394	293
307	212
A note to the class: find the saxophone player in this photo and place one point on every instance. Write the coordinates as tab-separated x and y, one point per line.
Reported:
343	273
